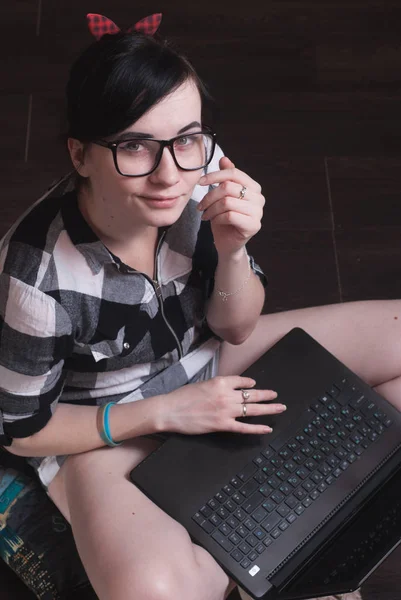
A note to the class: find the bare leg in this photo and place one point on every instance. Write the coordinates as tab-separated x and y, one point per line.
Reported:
365	336
131	549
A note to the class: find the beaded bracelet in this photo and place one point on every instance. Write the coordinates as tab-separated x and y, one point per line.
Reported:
103	425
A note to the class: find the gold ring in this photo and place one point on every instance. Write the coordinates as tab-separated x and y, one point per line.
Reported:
242	193
244	410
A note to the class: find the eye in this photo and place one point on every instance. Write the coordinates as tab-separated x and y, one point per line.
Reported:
183	141
131	146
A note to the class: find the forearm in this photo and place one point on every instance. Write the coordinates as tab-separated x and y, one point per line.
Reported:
72	429
235	318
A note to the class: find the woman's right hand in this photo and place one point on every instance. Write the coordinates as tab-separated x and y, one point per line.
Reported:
214	405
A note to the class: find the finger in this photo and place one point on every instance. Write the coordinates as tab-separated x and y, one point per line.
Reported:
237	381
226	163
257	410
246	225
230	175
228	203
240	427
230	188
258	396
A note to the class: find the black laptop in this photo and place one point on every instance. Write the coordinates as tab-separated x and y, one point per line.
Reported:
309	510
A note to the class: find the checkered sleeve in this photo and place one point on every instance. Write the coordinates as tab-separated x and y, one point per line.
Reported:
35	337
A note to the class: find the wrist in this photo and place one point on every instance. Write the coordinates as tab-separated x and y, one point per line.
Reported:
232	257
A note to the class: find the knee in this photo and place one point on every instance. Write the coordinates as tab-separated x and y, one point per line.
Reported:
159	583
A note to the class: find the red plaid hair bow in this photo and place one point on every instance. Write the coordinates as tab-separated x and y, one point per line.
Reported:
100	25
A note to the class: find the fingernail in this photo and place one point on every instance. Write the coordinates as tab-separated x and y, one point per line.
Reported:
202	179
282	406
200	206
268	429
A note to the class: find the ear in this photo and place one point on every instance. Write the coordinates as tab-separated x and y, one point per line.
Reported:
77	152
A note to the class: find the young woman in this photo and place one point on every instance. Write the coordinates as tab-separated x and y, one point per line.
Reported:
129	306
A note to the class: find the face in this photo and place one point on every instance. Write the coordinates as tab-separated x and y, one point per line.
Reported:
129	204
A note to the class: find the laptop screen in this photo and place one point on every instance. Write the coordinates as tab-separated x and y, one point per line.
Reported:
371	534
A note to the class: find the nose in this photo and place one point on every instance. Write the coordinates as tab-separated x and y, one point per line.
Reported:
167	172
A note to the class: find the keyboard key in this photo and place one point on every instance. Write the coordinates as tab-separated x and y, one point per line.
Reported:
222	512
207	526
291	518
333	461
283	510
325	469
230	506
307	451
308	485
307	502
260	477
266	490
311	464
238	498
290	466
244	547
221	497
301	439
259	533
260	548
322	487
242	531
252	540
273	482
215	519
235	482
247	472
259	461
249	488
228	489
358	401
234	538
291	502
267	542
300	493
269	505
275	533
240	514
232	522
329	480
314	495
253	556
285	489
337	472
294	480
317	477
213	504
225	529
368	409
281	474
250	505
268	452
344	465
272	520
277	497
298	458
222	541
206	511
259	514
245	563
250	523
237	555
293	445
299	509
285	453
284	525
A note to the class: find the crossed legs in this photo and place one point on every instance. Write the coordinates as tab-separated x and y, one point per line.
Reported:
132	549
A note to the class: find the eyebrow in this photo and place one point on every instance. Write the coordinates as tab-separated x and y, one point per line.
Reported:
128	135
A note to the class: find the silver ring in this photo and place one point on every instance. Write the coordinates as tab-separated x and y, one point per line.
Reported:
242	193
244	409
246	395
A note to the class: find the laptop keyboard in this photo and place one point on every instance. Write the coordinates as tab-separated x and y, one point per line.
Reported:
271	492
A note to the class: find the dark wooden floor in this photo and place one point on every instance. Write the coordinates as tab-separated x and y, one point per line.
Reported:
308	95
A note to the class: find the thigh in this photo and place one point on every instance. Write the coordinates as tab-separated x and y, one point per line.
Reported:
365	336
122	535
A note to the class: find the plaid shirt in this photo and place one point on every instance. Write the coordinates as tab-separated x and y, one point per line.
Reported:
77	325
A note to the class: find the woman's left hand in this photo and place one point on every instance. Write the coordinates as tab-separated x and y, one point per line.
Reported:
233	220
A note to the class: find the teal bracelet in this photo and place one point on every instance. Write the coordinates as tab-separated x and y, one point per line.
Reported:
104	425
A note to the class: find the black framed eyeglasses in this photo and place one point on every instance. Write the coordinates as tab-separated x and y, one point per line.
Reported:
138	156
